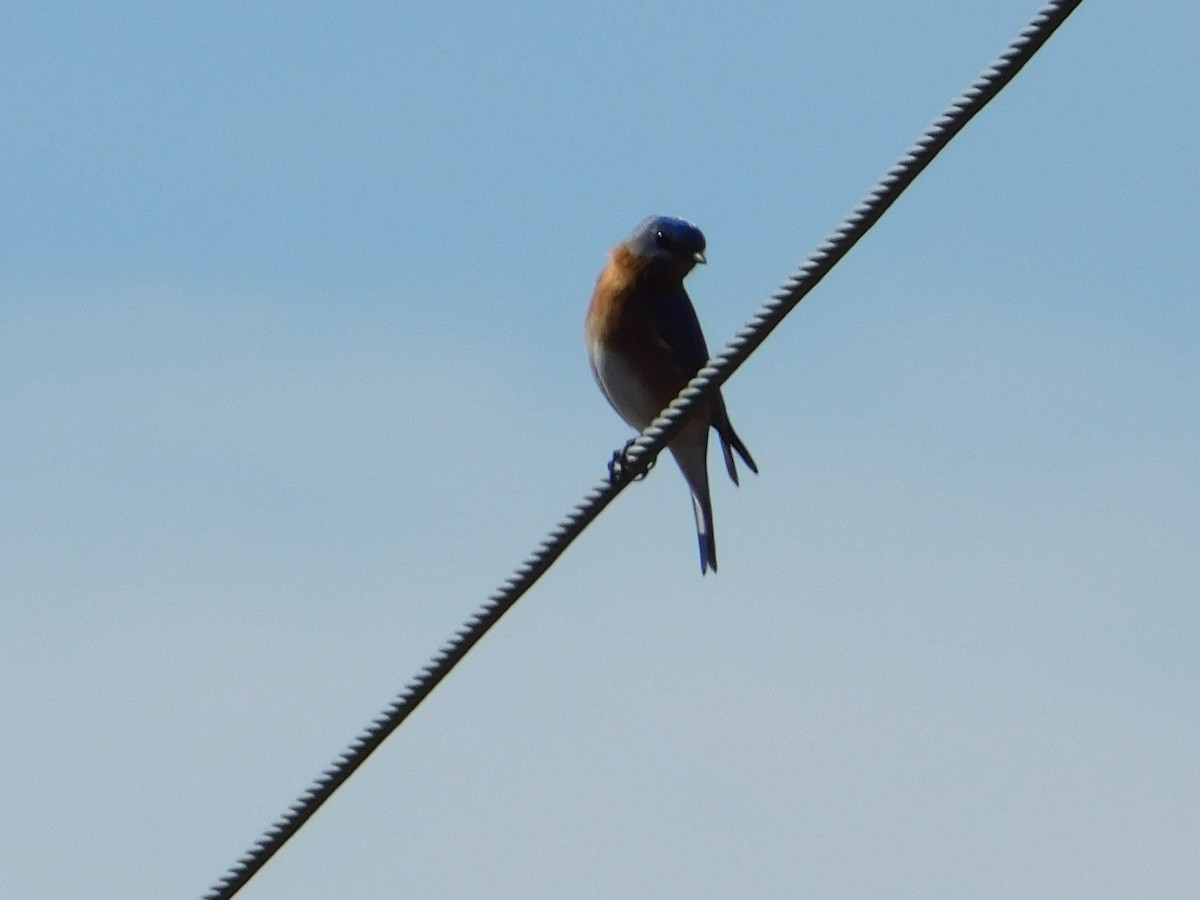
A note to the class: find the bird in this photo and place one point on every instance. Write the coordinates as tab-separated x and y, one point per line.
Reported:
644	343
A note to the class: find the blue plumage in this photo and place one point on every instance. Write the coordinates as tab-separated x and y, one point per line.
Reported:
645	343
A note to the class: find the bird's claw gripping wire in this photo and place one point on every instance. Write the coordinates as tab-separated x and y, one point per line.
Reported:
618	466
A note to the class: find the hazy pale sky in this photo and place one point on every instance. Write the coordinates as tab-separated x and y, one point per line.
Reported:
292	375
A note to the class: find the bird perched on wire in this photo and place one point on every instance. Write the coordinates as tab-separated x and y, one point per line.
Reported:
645	344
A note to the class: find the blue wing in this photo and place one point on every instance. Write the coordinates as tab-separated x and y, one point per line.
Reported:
679	329
677	325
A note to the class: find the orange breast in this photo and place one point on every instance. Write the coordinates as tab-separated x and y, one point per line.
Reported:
619	317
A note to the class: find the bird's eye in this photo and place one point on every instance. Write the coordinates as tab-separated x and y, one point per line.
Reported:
664	240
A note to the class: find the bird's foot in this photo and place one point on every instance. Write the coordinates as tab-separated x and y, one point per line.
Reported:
619	464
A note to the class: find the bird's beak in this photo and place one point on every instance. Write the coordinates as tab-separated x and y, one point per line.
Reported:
699	257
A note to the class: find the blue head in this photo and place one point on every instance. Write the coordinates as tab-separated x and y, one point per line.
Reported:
667	242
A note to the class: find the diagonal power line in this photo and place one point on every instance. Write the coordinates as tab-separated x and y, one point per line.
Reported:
641	453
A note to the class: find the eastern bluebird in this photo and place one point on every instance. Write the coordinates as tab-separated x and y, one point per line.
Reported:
645	344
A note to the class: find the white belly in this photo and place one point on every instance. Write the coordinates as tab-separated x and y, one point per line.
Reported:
616	378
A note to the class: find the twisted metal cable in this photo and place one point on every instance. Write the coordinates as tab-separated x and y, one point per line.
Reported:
639	455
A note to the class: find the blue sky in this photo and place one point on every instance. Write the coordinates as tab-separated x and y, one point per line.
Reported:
292	375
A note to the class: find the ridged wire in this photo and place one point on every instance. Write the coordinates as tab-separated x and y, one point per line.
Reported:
640	454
